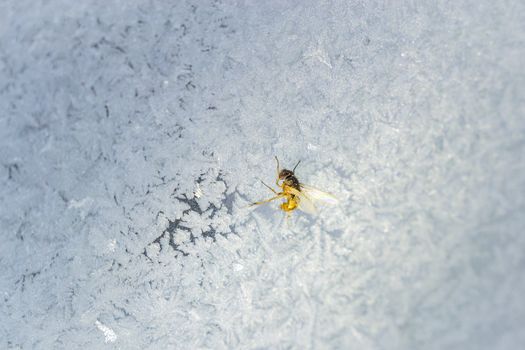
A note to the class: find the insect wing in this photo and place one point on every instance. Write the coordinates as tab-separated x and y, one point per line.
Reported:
305	203
317	195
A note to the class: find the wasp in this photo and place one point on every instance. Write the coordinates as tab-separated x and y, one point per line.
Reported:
296	194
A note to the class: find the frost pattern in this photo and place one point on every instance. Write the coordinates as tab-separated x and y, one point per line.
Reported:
109	335
132	135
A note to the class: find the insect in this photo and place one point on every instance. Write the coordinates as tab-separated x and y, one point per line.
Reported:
296	194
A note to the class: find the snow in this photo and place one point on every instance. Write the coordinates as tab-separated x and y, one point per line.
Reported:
133	134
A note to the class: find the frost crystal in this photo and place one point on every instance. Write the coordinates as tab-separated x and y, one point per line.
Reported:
132	134
109	335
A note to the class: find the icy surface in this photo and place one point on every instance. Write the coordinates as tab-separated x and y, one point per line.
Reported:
132	134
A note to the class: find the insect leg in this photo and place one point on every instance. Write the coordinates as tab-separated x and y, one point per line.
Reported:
271	189
280	195
288	219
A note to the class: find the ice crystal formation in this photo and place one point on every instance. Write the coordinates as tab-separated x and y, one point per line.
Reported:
132	135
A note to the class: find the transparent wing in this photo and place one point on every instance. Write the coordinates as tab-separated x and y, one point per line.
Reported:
317	195
305	203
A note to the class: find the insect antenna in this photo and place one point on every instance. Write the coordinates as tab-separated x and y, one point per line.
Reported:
278	168
293	171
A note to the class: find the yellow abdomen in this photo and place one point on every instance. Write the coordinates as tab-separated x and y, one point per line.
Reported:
290	204
291	201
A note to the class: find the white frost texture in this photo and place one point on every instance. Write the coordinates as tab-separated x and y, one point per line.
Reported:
133	134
